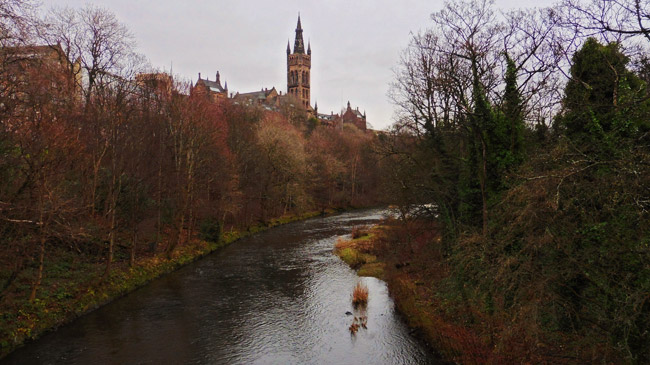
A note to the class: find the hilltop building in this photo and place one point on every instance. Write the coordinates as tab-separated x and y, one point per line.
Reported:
298	69
159	83
38	67
211	88
265	97
354	116
347	116
298	89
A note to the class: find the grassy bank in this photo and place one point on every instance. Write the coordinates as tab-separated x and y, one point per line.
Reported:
356	253
73	284
404	257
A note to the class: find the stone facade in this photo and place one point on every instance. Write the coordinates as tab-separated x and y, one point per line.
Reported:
347	116
298	70
213	89
354	116
264	97
47	65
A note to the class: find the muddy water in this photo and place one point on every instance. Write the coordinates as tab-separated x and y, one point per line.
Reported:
279	297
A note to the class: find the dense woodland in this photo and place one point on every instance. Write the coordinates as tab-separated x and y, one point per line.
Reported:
100	166
527	133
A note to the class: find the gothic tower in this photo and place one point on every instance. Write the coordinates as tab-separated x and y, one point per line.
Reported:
298	68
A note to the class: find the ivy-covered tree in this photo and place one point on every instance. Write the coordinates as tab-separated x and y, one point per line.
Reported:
513	112
604	101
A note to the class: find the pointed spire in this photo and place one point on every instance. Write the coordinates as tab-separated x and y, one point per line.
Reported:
225	86
299	44
309	47
349	105
218	78
288	47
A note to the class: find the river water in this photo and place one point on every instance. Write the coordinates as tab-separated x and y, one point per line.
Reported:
279	297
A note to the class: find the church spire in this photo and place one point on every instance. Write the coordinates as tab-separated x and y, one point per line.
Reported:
288	47
309	47
299	44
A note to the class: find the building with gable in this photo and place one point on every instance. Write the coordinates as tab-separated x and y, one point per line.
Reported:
213	89
354	116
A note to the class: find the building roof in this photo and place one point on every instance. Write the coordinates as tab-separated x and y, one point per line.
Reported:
213	85
259	95
299	44
328	116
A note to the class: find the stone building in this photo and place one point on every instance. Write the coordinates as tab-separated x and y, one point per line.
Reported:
298	70
347	116
298	90
354	116
159	83
38	67
211	88
264	97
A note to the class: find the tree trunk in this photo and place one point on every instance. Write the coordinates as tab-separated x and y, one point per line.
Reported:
483	188
41	260
41	254
134	245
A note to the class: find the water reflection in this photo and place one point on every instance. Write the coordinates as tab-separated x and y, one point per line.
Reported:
280	297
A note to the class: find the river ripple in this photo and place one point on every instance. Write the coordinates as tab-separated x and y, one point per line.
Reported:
279	297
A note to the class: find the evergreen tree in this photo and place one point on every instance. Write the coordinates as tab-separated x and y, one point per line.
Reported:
513	113
603	101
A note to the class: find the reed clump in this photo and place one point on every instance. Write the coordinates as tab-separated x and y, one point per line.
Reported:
360	295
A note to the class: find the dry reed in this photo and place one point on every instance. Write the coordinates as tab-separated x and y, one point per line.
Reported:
360	295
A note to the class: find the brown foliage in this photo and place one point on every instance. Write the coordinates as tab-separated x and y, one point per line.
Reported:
360	295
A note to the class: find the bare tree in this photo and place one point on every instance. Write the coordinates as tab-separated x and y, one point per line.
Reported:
626	18
95	38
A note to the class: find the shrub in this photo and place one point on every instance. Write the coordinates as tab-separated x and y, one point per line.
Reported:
210	230
358	232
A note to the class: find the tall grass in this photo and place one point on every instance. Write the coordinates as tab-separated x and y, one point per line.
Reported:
360	295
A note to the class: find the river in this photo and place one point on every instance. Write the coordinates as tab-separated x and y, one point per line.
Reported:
278	297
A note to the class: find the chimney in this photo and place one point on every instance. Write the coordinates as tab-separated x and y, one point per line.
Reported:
199	76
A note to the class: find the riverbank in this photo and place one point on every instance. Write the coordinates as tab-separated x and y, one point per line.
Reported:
405	258
73	285
433	293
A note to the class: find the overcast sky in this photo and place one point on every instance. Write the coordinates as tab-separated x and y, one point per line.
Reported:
355	44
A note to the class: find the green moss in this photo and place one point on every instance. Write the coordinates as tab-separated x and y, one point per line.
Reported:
354	258
365	237
373	269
